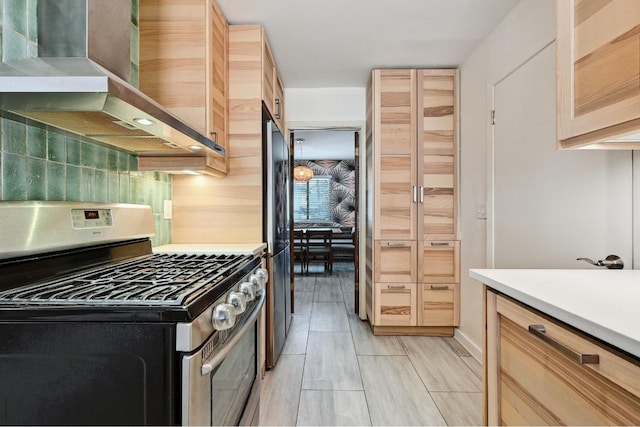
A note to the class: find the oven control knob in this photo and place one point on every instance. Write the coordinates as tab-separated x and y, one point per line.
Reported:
257	281
238	301
224	317
264	274
249	290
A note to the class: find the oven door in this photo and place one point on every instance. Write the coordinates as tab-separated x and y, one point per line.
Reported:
223	388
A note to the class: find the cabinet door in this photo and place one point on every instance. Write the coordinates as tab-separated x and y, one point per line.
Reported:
395	111
218	87
598	54
395	261
183	66
278	103
394	139
440	262
540	382
395	304
396	195
268	75
173	57
437	150
438	304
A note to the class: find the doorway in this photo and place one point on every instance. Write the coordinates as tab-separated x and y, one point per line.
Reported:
325	189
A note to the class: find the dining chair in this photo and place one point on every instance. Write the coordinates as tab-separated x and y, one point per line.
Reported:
318	249
343	245
299	249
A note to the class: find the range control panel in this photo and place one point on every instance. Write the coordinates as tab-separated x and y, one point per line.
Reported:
91	218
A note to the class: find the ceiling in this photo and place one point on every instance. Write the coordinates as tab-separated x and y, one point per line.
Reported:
336	43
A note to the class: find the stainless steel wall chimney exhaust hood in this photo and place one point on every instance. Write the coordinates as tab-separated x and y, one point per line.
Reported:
80	82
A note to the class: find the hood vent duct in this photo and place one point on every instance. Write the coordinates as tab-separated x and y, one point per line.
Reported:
80	82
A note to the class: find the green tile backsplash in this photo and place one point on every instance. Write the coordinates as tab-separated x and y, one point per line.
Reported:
16	16
39	164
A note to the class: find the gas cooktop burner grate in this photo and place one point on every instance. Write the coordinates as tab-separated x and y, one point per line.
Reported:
156	280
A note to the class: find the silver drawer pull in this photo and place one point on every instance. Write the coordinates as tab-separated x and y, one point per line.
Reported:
396	244
395	287
540	332
439	288
439	243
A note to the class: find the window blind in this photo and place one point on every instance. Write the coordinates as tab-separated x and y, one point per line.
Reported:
312	199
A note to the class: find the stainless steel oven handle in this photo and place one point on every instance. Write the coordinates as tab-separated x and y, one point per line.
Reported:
218	356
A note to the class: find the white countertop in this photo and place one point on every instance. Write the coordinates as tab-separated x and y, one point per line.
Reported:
602	303
212	248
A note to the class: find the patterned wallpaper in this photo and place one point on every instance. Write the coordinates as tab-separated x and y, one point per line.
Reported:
343	184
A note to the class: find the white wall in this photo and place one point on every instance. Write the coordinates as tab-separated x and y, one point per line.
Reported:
325	107
550	206
528	29
525	31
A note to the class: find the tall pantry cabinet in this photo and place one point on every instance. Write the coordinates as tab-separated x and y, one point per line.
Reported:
412	273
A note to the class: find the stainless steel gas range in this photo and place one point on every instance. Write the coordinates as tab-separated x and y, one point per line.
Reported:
97	329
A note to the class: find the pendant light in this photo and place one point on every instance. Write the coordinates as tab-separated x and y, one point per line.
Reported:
302	173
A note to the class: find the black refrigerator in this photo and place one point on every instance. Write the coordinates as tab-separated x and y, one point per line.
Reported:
277	235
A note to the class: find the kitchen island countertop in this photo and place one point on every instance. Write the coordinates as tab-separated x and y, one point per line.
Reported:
212	248
601	303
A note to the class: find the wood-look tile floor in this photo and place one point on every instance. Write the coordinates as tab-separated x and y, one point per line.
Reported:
334	372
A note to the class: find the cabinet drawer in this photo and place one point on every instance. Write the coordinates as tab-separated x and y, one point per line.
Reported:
541	382
395	261
395	304
440	262
438	304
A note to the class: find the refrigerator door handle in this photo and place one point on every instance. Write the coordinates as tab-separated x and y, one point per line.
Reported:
270	192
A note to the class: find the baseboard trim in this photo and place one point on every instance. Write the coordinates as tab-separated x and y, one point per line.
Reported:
471	347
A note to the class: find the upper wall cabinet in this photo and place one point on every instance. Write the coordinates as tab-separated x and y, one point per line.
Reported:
254	76
272	90
184	66
598	54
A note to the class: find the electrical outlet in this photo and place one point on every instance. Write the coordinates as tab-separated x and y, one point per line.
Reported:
168	210
481	211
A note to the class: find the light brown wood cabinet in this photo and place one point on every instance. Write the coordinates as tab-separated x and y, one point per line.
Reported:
598	60
236	201
440	262
438	304
278	102
184	66
272	89
533	374
396	304
412	165
395	261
